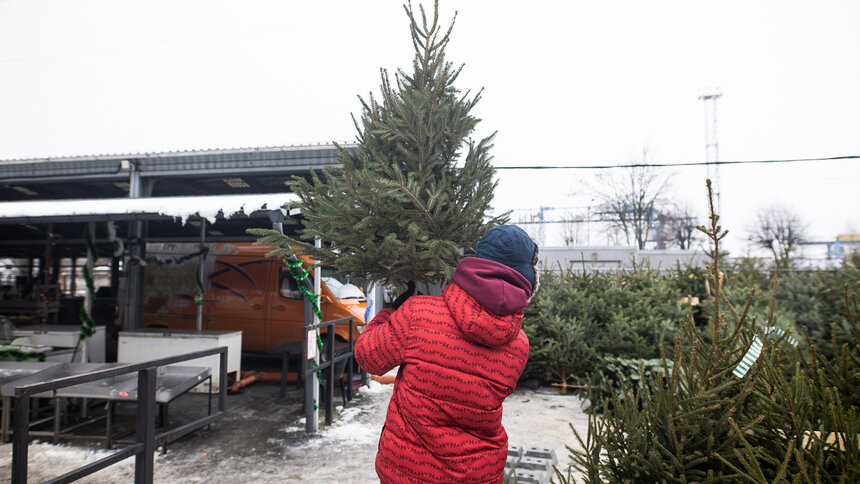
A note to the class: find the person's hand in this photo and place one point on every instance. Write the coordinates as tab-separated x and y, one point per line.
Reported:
410	290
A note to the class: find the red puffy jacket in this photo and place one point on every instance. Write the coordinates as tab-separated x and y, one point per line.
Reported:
460	354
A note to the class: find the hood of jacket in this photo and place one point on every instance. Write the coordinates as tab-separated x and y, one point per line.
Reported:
487	300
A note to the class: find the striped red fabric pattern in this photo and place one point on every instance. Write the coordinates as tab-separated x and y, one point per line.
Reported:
444	421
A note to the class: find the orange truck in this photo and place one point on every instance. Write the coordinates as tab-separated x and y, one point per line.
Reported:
242	290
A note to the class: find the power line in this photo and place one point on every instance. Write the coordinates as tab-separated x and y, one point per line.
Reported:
663	165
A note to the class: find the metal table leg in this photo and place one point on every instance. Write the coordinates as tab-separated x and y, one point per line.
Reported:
285	366
209	395
163	416
209	405
57	415
7	412
108	423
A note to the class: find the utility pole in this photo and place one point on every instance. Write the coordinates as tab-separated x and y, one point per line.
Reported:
712	144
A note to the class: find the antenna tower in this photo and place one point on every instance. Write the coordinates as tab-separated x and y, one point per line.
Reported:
712	143
541	220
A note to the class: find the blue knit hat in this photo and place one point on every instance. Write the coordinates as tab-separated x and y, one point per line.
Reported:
511	246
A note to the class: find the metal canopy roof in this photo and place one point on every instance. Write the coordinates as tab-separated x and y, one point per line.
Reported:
104	181
253	170
27	228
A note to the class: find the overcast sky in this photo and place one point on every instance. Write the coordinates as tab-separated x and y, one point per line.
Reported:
565	83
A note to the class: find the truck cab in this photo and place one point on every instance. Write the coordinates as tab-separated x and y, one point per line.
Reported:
242	290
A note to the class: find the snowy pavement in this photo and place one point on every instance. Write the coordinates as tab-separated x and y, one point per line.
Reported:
260	451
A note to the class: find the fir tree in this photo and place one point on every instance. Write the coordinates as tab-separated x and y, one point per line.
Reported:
810	407
677	424
416	190
790	415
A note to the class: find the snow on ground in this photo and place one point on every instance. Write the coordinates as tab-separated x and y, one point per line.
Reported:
539	418
343	452
48	461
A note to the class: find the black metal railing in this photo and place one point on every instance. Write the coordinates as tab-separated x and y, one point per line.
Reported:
328	366
147	441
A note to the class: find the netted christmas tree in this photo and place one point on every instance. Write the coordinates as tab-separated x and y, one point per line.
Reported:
418	187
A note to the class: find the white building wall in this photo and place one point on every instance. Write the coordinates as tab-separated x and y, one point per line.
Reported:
613	258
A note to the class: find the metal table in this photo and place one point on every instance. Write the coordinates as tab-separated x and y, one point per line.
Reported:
171	382
11	371
40	372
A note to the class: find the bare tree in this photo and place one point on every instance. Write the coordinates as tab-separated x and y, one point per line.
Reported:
677	227
573	229
780	230
629	198
528	224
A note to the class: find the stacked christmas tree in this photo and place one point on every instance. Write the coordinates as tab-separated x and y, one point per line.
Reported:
417	189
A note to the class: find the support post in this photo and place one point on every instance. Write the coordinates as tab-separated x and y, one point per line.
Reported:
349	368
47	261
276	217
311	384
55	264
135	277
222	388
200	276
317	321
329	381
20	438
137	250
89	298
112	326
73	284
133	271
144	462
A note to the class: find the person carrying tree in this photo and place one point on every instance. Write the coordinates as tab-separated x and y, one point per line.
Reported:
460	355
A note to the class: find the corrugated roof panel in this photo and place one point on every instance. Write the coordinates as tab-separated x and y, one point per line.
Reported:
212	162
170	154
